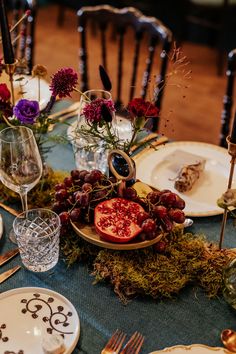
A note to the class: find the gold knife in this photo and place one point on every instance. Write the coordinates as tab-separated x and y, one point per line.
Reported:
4	276
8	255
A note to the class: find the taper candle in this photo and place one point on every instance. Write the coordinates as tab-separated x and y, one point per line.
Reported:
6	37
233	131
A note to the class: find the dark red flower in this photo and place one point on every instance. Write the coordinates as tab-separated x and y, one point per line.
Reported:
138	107
6	108
4	93
94	110
63	82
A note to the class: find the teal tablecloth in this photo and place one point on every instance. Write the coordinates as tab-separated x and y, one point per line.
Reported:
189	318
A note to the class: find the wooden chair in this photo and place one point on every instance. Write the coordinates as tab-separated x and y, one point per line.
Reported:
144	30
211	17
24	46
228	98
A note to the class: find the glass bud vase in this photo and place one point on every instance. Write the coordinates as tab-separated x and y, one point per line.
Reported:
90	152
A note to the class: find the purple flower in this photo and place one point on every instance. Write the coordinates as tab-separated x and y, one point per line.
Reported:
63	82
26	111
94	110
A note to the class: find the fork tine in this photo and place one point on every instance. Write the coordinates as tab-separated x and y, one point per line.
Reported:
134	344
111	340
119	341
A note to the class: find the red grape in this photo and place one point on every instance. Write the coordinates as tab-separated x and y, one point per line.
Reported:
179	203
64	217
159	211
61	195
149	226
176	215
168	199
143	215
75	214
160	246
95	176
129	193
59	186
167	224
153	197
68	181
82	174
75	174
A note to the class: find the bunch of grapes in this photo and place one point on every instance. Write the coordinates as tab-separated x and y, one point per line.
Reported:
79	193
162	210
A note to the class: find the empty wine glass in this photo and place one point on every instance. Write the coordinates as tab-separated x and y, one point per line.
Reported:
20	162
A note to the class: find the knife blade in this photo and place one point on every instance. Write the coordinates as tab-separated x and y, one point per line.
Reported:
8	255
4	276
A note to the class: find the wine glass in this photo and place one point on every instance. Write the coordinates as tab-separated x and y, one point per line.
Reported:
20	162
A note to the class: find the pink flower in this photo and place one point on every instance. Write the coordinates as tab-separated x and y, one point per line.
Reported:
63	82
93	110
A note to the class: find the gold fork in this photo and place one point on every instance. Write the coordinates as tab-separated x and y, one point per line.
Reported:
133	346
115	343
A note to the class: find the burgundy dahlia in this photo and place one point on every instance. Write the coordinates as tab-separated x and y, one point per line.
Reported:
63	82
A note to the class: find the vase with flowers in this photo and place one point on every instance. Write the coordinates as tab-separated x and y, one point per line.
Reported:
98	129
27	112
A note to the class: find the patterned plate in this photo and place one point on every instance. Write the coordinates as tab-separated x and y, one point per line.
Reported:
194	349
28	315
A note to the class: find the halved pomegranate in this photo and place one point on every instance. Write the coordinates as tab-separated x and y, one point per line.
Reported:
116	220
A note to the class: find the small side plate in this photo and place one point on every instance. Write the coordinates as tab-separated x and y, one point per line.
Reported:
1	226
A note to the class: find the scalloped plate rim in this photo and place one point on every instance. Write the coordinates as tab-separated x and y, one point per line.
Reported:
190	347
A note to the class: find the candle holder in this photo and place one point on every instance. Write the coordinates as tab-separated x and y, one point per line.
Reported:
232	153
10	70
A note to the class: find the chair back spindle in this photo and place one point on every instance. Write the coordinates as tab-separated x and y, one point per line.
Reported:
228	98
147	31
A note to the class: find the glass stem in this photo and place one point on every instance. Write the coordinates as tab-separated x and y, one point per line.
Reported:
23	197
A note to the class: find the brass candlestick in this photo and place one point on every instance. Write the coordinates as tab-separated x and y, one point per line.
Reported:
232	153
10	70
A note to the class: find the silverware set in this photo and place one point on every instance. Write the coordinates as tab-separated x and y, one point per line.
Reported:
114	345
5	258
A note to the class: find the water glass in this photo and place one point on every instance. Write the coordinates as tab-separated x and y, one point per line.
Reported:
37	234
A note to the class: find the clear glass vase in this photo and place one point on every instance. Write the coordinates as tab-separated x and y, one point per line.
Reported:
90	152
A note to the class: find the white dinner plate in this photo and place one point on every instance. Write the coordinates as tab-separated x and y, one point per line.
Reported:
194	349
30	314
30	88
154	168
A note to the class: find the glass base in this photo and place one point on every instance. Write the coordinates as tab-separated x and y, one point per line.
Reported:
12	236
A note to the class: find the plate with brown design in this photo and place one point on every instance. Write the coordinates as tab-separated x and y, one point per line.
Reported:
89	234
33	319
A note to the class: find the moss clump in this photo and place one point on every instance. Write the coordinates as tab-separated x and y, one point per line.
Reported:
187	259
